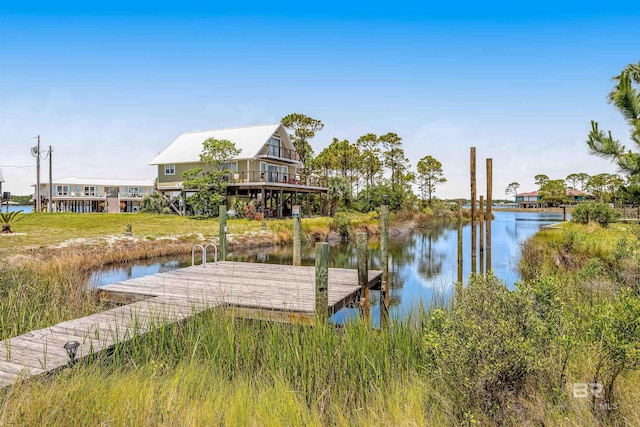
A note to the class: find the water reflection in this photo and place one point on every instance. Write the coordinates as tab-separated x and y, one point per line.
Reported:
423	264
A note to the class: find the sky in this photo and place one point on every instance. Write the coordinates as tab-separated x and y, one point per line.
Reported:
109	86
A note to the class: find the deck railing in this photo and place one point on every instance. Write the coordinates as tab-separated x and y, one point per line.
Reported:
277	177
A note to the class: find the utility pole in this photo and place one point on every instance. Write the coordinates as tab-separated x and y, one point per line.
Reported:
35	151
50	180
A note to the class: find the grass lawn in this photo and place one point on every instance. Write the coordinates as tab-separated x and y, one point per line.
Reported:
37	230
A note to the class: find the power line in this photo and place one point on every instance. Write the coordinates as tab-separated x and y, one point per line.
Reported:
16	166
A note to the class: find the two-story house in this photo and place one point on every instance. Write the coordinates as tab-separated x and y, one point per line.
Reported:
86	195
267	170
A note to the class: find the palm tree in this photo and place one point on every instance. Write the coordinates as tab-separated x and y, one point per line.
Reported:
9	218
625	97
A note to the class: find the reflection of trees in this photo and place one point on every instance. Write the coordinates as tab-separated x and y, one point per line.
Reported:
430	261
511	230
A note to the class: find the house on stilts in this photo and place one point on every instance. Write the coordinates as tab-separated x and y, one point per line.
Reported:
267	173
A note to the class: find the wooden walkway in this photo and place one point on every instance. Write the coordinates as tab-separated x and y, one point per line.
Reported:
277	292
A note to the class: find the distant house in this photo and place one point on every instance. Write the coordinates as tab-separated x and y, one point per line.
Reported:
534	200
267	170
87	195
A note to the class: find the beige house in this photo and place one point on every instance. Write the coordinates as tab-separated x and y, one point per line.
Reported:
88	195
267	170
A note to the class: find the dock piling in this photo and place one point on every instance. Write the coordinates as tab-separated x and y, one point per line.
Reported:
481	237
472	168
384	253
489	214
363	273
297	239
223	232
322	280
460	253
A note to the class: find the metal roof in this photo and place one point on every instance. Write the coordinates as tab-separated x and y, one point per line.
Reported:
72	180
249	140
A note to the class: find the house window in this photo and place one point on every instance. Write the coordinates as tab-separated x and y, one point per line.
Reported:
62	190
275	147
230	166
170	169
134	192
89	190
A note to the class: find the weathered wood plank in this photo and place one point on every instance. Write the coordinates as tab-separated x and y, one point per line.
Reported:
260	291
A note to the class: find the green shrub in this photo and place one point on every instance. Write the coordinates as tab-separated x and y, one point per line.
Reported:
486	351
602	213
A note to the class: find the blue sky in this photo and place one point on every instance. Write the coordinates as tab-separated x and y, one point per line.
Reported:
111	86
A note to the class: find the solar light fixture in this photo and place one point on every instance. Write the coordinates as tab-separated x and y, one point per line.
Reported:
72	349
385	197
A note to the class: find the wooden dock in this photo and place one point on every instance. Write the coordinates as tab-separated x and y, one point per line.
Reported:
267	291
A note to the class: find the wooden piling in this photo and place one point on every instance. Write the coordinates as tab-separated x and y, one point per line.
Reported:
473	209
297	235
223	232
481	237
564	213
322	280
489	214
384	259
363	273
460	252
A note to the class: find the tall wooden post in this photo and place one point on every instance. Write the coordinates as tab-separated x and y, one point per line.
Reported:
473	209
322	280
363	273
481	237
384	254
564	213
489	217
50	204
297	239
223	232
460	252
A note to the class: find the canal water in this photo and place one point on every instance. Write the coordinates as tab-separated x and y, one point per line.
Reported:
16	208
423	264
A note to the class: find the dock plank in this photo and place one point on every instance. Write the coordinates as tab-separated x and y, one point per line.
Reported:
282	293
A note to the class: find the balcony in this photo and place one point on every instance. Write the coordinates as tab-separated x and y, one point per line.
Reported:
132	196
277	178
279	153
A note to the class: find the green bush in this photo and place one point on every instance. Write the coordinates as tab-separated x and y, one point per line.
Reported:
487	350
602	213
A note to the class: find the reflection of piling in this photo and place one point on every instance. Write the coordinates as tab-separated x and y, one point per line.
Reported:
322	280
473	209
223	232
481	237
363	273
489	214
384	254
297	238
460	253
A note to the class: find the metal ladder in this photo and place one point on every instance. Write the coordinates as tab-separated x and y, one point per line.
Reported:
203	248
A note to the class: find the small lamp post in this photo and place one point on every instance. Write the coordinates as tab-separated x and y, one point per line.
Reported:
385	197
72	349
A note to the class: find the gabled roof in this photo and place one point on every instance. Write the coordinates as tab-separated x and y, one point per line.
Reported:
72	180
249	140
